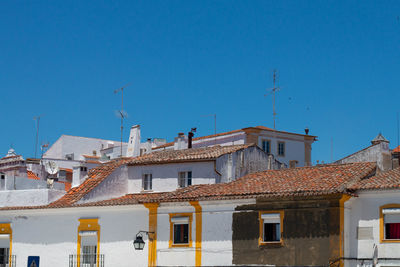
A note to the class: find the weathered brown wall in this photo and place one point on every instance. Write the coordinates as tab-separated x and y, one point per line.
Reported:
310	233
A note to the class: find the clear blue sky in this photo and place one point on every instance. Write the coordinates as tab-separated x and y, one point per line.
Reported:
338	63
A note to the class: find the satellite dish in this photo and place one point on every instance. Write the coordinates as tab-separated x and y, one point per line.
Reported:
51	167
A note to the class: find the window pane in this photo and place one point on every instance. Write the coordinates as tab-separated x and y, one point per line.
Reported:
272	232
392	231
189	178
181	233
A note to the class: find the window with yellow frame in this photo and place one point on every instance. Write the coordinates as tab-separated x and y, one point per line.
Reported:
390	223
180	230
271	227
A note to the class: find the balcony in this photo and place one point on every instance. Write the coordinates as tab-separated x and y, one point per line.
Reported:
8	261
86	260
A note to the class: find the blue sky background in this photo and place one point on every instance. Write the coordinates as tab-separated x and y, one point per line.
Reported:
338	64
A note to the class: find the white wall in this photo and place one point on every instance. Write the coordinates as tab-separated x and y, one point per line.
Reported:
30	197
363	211
52	234
165	176
294	146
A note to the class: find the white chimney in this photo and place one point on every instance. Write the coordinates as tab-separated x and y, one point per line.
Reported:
181	142
134	142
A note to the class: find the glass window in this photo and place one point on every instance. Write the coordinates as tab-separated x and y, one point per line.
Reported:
266	146
391	217
181	233
281	148
184	179
270	227
147	181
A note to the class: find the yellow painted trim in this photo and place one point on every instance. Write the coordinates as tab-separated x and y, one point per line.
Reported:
5	228
171	230
199	230
382	224
342	200
88	225
152	261
261	229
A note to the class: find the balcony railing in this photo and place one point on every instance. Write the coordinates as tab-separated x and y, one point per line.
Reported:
86	260
8	261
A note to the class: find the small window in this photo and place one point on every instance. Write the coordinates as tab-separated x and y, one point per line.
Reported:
180	235
69	156
271	227
89	255
281	148
391	221
184	179
83	169
266	146
147	181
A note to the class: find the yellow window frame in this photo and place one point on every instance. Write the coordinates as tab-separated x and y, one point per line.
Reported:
382	224
5	228
261	241
88	225
171	230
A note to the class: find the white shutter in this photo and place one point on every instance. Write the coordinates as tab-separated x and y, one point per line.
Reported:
180	220
271	217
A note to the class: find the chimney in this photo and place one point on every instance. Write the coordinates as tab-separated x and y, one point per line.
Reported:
180	142
190	137
134	142
148	145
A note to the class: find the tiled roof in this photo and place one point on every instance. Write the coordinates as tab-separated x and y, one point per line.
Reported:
396	150
91	156
98	174
95	177
184	155
383	180
32	175
230	132
304	181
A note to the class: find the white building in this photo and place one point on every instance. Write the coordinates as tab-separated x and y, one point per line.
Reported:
372	221
290	148
201	225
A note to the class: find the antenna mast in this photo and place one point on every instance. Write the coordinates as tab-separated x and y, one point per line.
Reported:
121	112
37	119
272	91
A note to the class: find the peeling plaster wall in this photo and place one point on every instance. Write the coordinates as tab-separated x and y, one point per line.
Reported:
240	163
115	185
31	197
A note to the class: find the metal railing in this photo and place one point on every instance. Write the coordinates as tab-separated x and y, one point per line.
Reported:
8	260
86	260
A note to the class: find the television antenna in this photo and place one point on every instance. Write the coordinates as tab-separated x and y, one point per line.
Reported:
273	91
122	114
37	119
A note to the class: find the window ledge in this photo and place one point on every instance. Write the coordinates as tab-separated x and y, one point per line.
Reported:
276	244
390	241
180	246
146	191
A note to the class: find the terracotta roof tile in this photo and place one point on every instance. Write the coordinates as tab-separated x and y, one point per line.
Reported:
383	180
95	177
396	150
192	154
304	181
32	175
99	173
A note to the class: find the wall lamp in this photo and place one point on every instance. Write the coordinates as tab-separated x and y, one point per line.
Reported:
138	243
